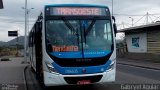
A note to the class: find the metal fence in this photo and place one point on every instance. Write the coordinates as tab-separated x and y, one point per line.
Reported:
121	50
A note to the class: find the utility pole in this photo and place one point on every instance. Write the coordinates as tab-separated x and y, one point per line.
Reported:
25	37
17	44
147	16
132	20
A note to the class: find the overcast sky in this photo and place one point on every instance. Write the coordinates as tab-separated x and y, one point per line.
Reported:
12	16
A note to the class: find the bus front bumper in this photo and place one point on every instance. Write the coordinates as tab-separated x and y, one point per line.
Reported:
51	79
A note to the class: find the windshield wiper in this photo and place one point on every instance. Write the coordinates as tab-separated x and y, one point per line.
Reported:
90	26
68	24
70	27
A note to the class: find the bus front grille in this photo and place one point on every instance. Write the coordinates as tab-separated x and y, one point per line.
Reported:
74	80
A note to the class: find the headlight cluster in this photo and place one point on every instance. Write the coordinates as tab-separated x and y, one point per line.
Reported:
51	68
112	65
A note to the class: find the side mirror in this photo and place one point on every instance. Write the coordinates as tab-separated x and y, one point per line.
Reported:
40	17
114	25
114	19
115	28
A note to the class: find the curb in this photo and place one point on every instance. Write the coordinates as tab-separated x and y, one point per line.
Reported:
24	75
140	66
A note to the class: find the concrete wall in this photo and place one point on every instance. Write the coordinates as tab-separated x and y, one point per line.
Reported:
137	42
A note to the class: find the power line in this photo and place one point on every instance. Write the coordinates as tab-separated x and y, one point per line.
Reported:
139	19
156	19
150	18
126	15
134	14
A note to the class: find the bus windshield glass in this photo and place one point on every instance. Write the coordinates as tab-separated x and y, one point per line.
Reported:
78	35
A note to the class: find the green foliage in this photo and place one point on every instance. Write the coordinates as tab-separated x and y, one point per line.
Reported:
8	51
1	49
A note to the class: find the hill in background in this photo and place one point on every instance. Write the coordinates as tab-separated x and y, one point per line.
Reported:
13	42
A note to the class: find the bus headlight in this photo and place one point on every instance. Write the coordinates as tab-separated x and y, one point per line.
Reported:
51	68
111	66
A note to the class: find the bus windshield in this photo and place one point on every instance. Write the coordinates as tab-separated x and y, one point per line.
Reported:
78	35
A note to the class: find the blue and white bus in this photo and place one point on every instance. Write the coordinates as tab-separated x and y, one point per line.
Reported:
73	44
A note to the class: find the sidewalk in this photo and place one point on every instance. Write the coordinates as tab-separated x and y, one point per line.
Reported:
137	63
11	73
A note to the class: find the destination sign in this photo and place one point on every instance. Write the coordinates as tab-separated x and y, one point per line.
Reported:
64	48
78	11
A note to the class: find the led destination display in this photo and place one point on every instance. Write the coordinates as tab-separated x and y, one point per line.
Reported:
77	11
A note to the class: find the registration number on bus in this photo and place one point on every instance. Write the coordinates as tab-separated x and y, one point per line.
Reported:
83	82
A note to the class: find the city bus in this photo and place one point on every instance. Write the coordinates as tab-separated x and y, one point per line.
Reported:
73	44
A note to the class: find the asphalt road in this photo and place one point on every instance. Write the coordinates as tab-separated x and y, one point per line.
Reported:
125	75
134	75
12	77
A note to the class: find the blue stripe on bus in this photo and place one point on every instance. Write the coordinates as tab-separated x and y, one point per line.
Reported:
80	70
67	54
75	5
87	54
93	54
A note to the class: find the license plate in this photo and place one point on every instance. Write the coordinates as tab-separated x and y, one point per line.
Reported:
83	82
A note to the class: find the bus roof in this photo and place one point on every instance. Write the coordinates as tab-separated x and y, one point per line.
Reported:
76	5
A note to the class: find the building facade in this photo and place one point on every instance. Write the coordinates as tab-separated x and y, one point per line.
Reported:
143	41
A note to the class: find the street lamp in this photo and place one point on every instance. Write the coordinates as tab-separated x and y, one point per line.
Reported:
132	20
